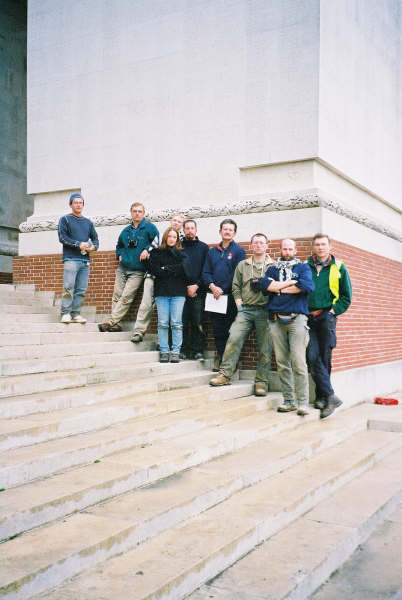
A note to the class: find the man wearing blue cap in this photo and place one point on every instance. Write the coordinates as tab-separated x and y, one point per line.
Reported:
79	239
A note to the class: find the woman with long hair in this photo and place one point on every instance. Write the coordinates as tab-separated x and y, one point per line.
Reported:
168	263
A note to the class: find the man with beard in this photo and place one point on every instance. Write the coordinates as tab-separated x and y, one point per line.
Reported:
193	334
288	283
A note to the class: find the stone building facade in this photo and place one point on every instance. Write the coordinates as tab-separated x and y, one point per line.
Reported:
283	115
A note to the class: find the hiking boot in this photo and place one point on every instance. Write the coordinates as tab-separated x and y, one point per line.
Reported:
319	403
260	389
198	356
217	363
103	327
79	319
302	411
332	403
66	318
183	356
115	328
137	338
286	407
164	357
220	379
174	357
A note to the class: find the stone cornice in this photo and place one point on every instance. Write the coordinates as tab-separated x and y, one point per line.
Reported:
250	204
9	249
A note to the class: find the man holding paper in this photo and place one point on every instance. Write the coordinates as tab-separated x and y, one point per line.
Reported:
217	275
251	303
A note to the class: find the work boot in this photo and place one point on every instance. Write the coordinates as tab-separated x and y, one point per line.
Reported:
164	357
302	411
137	338
115	328
220	379
198	356
182	356
332	403
217	363
103	327
260	389
319	403
286	407
174	357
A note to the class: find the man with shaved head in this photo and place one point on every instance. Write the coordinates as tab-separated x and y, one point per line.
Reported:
288	283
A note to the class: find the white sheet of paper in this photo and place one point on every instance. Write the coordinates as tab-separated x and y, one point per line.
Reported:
218	306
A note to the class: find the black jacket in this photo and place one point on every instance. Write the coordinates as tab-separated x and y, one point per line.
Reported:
197	252
171	270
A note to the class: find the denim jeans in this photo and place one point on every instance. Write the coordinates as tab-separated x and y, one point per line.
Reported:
75	283
126	285
193	333
249	318
221	325
290	343
170	309
319	352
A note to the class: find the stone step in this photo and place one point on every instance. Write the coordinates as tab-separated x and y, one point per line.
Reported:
87	348
131	367
18	327
63	363
358	577
81	449
74	490
38	314
70	336
27	298
190	552
321	541
33	308
42	427
42	402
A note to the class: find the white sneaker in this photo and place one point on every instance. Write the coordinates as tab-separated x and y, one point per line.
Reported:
79	319
66	318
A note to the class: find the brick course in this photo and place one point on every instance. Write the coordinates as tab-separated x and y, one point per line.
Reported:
370	332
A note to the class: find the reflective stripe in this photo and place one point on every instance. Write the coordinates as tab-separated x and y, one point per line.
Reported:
334	277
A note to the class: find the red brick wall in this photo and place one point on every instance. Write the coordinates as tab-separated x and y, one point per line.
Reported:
369	333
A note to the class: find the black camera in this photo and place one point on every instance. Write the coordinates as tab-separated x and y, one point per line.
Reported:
255	284
132	243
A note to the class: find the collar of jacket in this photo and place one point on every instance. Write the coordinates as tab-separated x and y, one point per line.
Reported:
267	261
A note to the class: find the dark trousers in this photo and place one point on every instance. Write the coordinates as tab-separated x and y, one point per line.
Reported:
221	325
193	333
319	351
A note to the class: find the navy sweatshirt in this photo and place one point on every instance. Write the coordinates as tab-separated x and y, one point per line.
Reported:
197	252
72	231
289	303
220	265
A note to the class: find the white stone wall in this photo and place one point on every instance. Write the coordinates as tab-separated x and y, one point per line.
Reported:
163	101
360	111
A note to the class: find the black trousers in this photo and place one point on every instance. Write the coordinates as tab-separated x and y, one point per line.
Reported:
193	333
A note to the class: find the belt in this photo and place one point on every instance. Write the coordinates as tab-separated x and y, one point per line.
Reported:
315	313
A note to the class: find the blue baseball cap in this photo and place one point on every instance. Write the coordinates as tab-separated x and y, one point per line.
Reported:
76	195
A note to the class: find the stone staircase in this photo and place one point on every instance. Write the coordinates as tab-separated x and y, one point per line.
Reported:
123	477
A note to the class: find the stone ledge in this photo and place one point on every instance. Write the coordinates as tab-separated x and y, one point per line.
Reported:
247	205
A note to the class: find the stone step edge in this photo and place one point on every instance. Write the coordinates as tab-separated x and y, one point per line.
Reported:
139	412
259	532
62	399
127	480
59	380
328	558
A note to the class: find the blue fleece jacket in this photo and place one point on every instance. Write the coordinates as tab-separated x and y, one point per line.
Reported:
72	231
220	265
144	237
289	303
